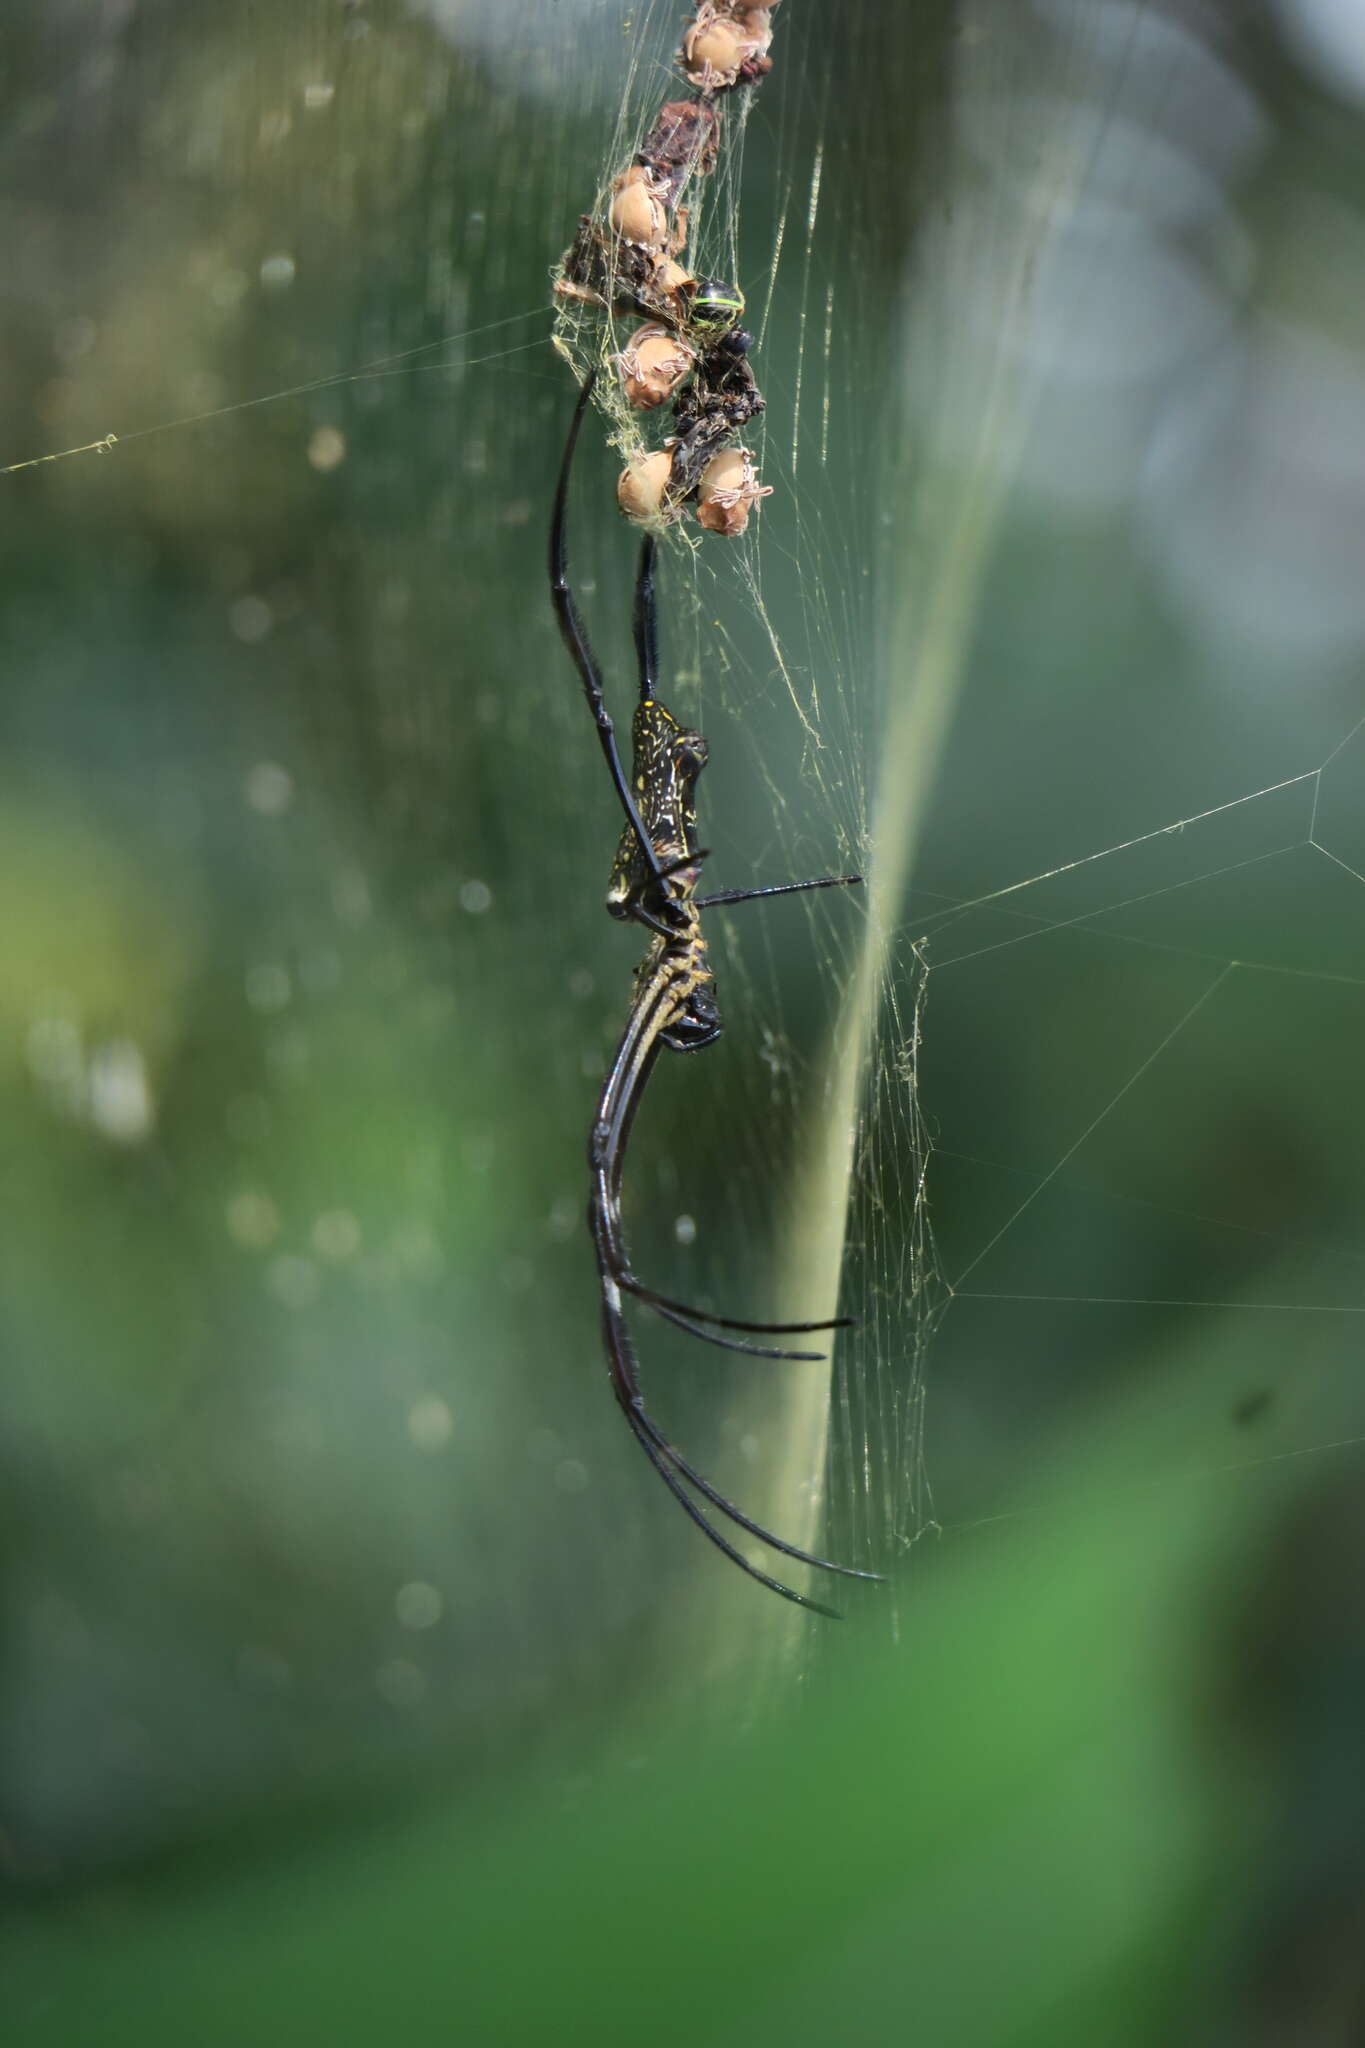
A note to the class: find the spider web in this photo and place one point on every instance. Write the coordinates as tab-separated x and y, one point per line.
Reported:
1050	626
1081	340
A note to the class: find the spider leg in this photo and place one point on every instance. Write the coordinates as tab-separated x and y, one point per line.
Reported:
646	619
776	889
662	1454
641	911
737	1515
653	1299
694	1329
615	1263
642	914
646	626
686	860
575	637
722	1543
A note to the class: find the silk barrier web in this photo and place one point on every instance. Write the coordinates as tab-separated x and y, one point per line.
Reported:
1051	627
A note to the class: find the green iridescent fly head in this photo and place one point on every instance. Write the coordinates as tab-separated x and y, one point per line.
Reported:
712	305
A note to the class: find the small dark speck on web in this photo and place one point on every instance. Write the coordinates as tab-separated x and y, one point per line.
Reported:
1253	1408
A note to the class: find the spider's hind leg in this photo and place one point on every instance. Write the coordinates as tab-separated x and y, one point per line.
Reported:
693	1328
674	1469
679	1492
642	1423
665	1305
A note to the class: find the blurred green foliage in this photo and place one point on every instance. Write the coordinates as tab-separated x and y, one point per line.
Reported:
1024	1822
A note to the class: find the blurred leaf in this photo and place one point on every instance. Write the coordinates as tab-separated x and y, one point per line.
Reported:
1007	1827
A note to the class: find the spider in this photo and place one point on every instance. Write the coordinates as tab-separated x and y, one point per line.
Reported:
654	883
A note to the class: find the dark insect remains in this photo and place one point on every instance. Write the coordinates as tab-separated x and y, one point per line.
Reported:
654	883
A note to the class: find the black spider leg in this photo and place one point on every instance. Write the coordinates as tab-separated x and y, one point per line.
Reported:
646	627
646	619
667	1306
645	622
575	638
645	1439
621	1093
693	1320
684	1319
696	1320
672	1468
777	889
684	860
